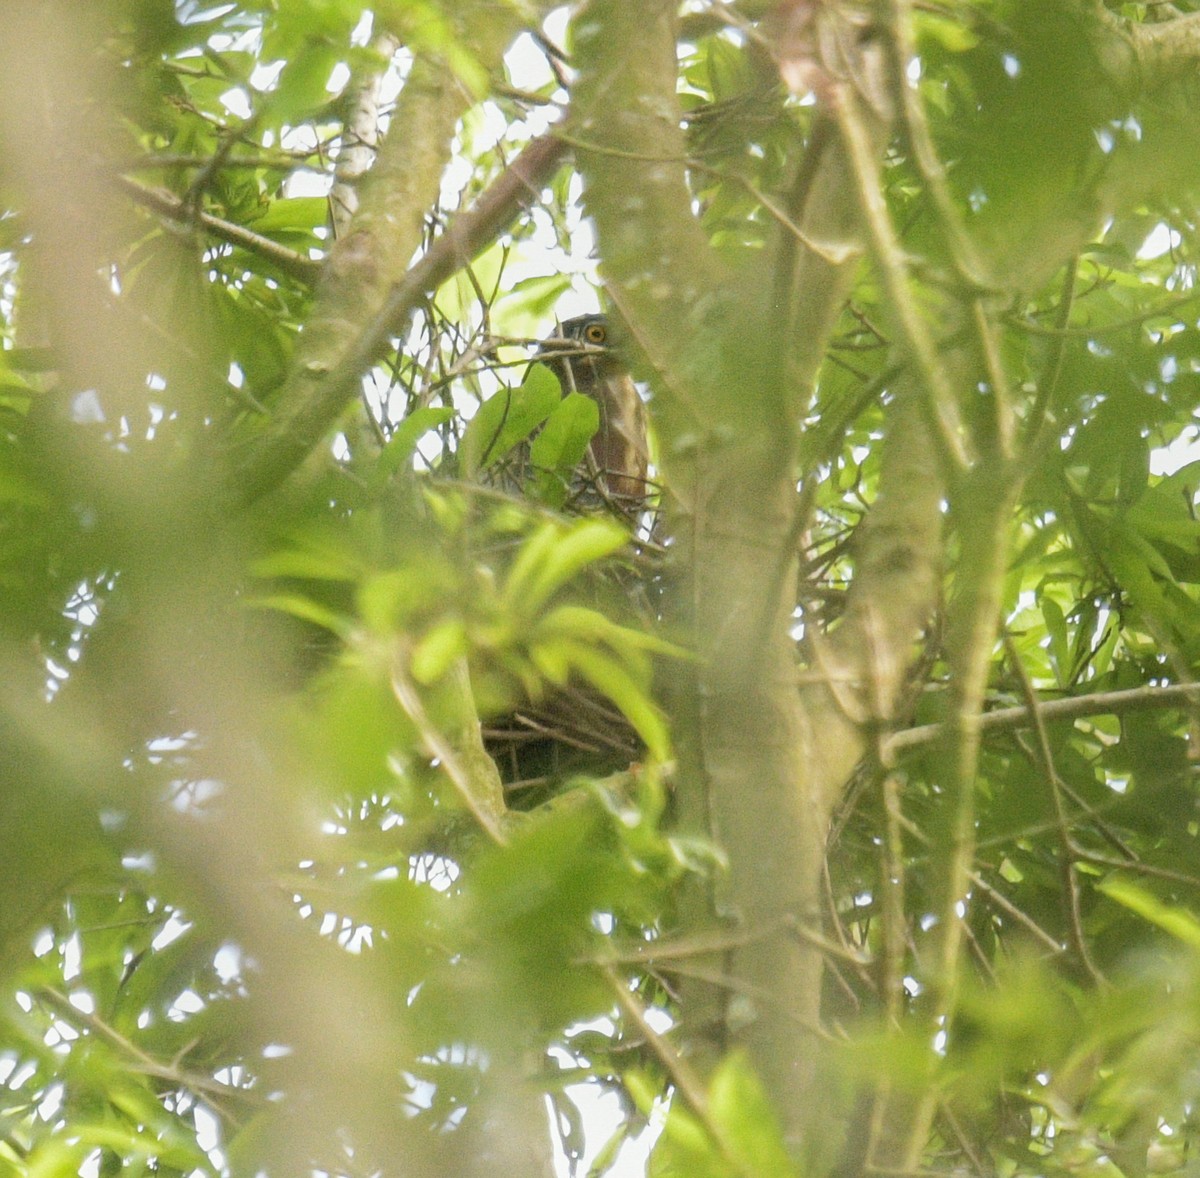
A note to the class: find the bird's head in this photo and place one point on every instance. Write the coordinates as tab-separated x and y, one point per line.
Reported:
579	353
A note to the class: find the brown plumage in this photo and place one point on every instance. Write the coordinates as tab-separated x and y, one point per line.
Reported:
580	357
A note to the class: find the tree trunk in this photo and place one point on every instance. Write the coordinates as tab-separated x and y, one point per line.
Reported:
732	357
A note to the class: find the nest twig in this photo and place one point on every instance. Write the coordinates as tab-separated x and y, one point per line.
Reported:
567	731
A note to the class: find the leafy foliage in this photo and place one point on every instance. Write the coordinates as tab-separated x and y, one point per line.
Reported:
271	897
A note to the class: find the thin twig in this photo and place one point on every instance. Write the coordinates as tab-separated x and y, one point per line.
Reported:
437	746
939	400
1040	416
1134	699
1137	867
1002	901
705	944
997	897
972	624
836	254
1085	331
213	1091
687	1082
284	161
977	1163
912	114
229	138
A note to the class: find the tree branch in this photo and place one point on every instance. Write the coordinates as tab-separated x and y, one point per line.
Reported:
175	208
727	408
328	392
1135	699
360	138
465	761
1150	55
983	506
625	107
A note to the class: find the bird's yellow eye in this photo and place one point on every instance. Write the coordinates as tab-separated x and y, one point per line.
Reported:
594	333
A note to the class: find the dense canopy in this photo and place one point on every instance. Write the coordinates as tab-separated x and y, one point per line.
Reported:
388	788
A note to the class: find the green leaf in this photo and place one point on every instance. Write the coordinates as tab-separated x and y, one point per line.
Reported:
428	30
952	34
552	660
580	622
527	304
607	1155
402	445
506	418
458	294
728	70
743	1116
296	214
30	359
434	654
388	600
16	487
533	581
129	1144
306	610
608	676
1056	627
559	449
1181	923
685	1150
534	552
313	559
55	1158
1165	514
302	88
1143	573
